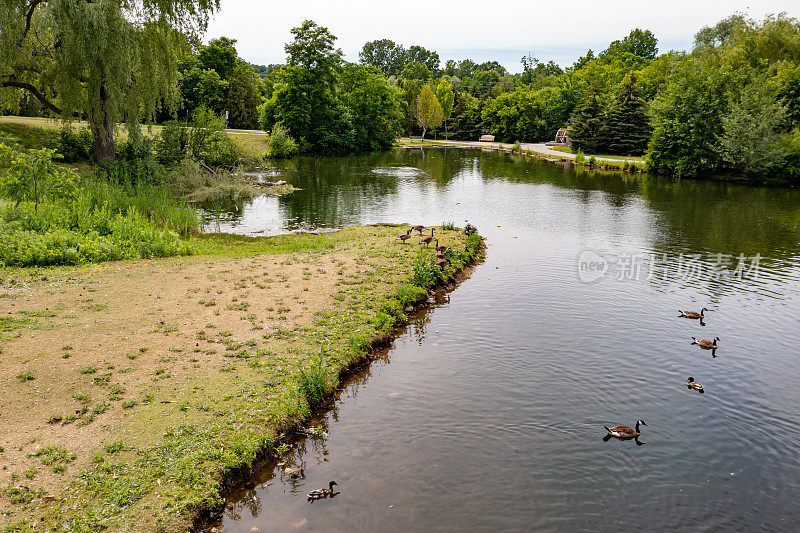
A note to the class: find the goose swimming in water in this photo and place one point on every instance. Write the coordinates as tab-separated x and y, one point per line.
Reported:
693	314
625	432
705	343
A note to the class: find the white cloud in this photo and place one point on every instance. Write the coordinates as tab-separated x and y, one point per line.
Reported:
561	31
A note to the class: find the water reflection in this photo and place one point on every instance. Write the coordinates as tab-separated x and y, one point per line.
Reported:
487	412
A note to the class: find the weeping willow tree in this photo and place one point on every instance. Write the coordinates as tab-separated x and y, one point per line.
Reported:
105	61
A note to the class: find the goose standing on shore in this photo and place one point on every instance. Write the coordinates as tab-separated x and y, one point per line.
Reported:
427	240
404	236
419	227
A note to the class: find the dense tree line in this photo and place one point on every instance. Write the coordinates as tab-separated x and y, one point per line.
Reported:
732	104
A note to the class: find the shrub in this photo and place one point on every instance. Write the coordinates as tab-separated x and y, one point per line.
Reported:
425	273
33	176
172	144
75	147
281	144
208	141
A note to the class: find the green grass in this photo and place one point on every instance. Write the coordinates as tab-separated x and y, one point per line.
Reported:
568	150
166	482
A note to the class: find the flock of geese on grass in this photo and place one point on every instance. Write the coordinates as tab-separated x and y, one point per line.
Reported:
626	432
441	261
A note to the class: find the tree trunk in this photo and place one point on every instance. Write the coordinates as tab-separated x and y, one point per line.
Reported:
423	133
103	147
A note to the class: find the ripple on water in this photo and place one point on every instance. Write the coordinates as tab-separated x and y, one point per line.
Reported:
488	413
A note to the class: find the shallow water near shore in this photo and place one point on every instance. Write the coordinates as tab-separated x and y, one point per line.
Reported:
487	414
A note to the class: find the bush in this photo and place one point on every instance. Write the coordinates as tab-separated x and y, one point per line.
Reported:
281	144
33	176
208	141
172	144
75	147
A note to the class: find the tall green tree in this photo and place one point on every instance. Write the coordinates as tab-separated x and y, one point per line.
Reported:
219	55
752	130
687	120
428	110
385	55
203	87
627	128
304	99
109	61
587	125
243	98
374	106
422	55
446	97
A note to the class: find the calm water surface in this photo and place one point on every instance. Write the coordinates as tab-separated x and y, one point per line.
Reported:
488	412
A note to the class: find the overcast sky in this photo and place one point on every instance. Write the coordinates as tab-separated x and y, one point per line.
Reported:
480	30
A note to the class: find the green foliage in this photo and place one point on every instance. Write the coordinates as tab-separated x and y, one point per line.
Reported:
752	128
220	56
203	88
172	145
281	143
208	142
75	147
374	107
243	99
446	97
312	381
428	110
385	55
687	121
125	75
587	126
33	176
627	127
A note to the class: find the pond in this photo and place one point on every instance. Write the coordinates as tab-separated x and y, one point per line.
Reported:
488	412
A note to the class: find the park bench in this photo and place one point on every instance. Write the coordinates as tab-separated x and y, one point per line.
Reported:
415	139
486	138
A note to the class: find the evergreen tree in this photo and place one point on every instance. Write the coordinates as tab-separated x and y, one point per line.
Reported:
587	125
243	99
627	129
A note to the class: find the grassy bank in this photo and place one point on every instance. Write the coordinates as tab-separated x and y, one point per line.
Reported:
134	389
38	132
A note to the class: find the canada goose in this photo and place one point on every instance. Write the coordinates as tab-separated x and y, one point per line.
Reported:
441	263
625	432
693	314
322	493
439	255
705	343
694	385
293	472
441	248
404	236
420	228
427	240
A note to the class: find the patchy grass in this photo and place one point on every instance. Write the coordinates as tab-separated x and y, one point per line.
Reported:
181	395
